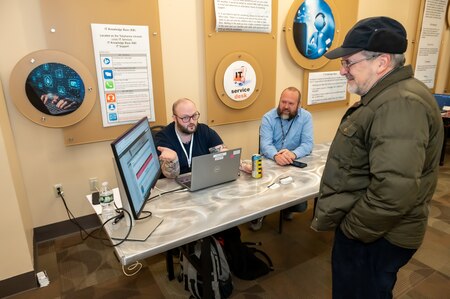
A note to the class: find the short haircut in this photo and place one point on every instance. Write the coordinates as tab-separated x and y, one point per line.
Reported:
292	88
397	60
178	102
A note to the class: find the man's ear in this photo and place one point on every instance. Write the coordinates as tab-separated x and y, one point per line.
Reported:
174	118
384	63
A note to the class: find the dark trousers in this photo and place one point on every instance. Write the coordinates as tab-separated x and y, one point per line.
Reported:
301	207
363	270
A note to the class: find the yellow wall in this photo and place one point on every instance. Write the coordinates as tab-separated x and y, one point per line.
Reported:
15	221
43	160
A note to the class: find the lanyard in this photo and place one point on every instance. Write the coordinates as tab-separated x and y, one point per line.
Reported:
284	135
188	157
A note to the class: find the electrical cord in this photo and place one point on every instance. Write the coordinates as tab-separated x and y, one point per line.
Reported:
132	267
97	231
162	192
129	228
72	219
149	214
137	266
229	196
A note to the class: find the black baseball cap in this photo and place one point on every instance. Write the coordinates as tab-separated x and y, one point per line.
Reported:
376	34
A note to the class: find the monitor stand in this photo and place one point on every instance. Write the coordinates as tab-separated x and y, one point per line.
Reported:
140	229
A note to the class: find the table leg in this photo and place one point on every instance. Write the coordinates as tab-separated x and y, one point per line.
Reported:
169	265
280	223
441	160
206	268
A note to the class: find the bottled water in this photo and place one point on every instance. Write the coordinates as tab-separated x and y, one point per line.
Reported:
107	202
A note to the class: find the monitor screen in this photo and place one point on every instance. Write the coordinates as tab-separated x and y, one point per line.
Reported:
442	100
138	165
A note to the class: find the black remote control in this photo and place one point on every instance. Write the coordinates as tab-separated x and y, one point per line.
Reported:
299	164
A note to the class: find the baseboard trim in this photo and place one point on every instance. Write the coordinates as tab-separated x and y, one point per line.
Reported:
18	284
59	229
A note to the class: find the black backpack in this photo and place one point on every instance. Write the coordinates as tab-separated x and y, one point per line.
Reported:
221	284
241	256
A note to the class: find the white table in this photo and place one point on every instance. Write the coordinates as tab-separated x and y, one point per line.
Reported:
189	216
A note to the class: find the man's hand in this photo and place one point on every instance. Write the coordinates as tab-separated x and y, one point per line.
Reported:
284	157
167	154
169	162
49	97
65	104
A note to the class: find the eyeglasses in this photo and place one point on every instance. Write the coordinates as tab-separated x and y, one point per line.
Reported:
188	118
347	64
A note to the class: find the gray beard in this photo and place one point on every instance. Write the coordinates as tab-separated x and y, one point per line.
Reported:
288	116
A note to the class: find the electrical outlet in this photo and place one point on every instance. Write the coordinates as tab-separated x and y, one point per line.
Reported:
93	184
55	189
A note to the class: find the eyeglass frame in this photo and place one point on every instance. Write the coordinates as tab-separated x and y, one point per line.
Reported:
346	65
186	119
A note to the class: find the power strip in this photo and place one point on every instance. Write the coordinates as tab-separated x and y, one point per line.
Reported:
42	279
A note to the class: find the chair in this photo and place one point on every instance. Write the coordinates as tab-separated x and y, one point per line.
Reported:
155	129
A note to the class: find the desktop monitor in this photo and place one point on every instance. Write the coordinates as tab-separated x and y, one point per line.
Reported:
137	168
137	163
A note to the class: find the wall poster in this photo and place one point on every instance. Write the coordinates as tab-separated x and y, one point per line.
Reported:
325	87
122	60
429	43
243	15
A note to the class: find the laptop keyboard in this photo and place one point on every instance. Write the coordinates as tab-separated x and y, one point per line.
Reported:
185	180
55	110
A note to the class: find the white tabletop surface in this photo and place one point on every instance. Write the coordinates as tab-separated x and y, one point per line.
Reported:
189	216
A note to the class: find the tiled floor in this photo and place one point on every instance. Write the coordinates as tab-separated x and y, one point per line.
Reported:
301	257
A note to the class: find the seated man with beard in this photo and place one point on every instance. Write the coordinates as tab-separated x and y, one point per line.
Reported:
286	134
185	138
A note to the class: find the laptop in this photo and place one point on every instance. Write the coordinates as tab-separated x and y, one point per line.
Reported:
212	169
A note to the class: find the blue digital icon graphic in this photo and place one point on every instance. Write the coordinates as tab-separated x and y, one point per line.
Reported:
48	81
61	90
112	116
74	83
112	107
314	27
108	74
106	60
59	73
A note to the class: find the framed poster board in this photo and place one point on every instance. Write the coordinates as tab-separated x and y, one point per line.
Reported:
73	36
240	63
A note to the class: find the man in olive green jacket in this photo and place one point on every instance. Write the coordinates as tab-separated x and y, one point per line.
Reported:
382	167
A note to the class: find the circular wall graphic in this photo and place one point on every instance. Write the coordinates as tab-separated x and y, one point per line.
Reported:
311	30
52	88
238	80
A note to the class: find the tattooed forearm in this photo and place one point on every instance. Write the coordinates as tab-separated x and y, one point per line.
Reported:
170	169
